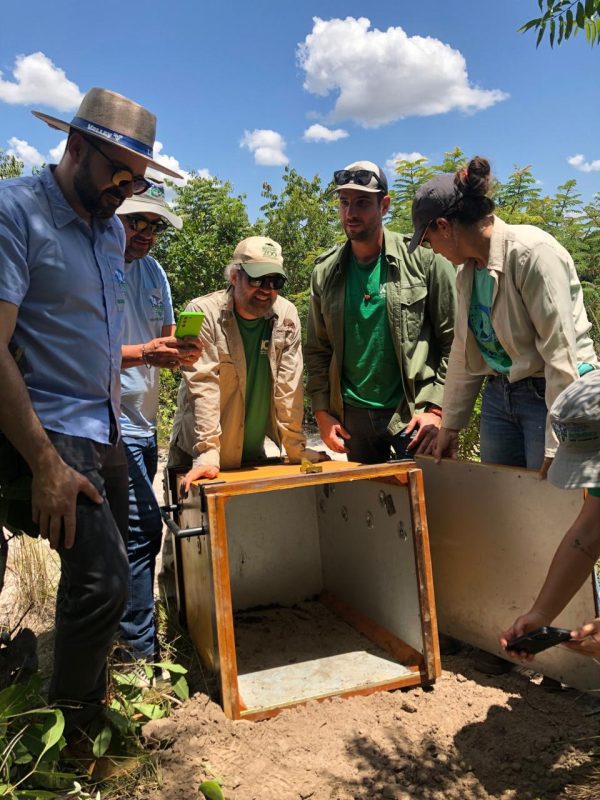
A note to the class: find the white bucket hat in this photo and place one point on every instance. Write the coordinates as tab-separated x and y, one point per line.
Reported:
575	418
152	201
110	117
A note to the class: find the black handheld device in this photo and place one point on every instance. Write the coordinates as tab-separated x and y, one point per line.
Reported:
539	639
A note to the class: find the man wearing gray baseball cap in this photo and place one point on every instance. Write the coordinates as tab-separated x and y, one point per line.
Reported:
380	328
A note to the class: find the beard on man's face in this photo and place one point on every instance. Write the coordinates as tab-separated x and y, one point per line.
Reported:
101	204
137	248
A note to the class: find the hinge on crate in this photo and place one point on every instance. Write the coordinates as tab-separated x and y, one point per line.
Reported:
179	533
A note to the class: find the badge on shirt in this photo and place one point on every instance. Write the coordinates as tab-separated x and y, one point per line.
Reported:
264	347
120	288
157	307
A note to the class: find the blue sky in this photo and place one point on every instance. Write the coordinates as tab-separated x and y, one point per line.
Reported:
236	86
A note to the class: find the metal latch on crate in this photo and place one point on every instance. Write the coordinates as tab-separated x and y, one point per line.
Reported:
179	533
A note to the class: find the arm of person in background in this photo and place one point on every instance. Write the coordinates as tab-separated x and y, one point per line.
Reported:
163	352
460	387
548	283
441	310
571	566
460	392
288	394
55	485
318	352
204	396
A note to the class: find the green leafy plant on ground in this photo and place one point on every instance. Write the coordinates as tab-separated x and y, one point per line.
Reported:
33	763
31	739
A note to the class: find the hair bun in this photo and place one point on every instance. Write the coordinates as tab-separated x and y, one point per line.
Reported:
476	178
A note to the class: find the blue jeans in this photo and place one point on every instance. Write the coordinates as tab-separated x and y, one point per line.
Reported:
513	422
370	441
138	629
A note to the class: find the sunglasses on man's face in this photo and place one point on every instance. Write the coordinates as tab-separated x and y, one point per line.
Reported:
122	176
138	224
361	177
266	282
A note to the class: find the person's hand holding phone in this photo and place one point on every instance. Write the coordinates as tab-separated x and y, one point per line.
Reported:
586	640
522	625
162	352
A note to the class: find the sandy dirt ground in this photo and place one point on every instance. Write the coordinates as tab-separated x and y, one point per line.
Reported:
470	737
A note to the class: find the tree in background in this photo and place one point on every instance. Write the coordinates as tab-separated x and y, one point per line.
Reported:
515	200
409	176
214	222
10	166
303	218
565	18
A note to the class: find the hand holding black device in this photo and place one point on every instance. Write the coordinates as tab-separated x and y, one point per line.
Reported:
538	640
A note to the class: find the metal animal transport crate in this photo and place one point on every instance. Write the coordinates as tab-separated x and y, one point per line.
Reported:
296	587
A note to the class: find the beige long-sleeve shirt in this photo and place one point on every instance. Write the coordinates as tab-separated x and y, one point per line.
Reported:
537	314
209	421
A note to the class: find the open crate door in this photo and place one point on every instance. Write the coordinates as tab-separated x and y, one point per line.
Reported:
493	532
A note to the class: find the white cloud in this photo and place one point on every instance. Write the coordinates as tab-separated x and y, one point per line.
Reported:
38	80
172	163
31	156
382	76
582	165
319	133
56	153
25	152
168	161
392	162
267	146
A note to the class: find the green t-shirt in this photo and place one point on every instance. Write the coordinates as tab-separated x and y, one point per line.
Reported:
480	322
595	492
370	372
255	335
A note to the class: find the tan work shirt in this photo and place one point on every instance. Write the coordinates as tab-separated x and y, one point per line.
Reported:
537	314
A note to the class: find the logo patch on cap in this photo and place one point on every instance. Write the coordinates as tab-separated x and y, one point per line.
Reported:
154	190
269	250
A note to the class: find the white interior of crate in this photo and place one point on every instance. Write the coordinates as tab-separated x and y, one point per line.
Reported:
352	541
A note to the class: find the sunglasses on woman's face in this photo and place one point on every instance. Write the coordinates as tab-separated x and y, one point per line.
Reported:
361	177
121	175
266	282
138	224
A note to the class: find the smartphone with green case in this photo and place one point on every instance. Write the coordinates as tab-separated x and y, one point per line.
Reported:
189	324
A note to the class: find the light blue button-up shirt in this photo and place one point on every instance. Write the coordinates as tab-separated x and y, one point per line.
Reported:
67	279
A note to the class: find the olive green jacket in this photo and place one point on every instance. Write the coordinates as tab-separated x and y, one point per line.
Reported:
421	304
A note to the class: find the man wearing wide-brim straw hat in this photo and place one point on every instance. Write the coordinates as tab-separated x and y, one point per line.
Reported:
109	117
61	308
